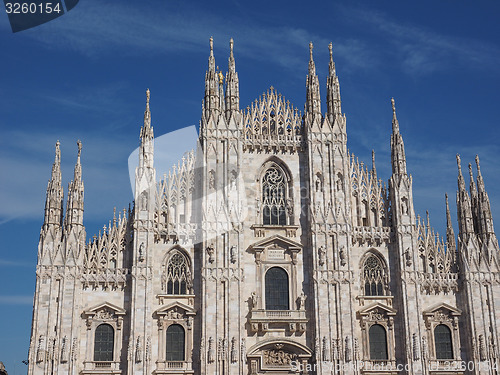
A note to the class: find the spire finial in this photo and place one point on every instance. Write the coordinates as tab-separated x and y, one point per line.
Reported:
373	160
231	45
393	102
148	95
477	164
470	173
58	153
311	51
459	164
79	144
330	47
211	46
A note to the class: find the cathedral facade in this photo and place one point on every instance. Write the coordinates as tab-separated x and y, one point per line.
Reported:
270	249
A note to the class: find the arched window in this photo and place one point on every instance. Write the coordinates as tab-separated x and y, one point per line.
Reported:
175	343
374	278
378	342
274	197
277	289
443	343
104	341
178	275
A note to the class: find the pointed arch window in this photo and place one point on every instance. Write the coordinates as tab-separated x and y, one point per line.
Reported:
175	343
378	342
178	275
277	293
374	277
104	341
443	342
274	197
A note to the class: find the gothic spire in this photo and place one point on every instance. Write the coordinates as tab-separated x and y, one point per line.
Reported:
474	201
147	129
211	84
464	209
332	90
313	99
74	207
146	151
374	170
55	195
485	219
450	234
232	84
398	157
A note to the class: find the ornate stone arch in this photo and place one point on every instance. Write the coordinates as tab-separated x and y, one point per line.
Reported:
269	181
277	355
374	274
177	272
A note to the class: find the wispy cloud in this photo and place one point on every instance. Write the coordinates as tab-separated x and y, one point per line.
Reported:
22	194
14	263
421	50
91	31
16	300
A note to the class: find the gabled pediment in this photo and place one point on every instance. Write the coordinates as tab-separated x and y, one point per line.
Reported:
378	308
443	306
105	306
276	241
188	310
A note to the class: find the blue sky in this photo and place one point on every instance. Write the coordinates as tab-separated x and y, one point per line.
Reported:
84	76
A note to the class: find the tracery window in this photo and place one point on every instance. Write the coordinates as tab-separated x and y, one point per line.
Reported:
178	275
277	293
378	342
443	342
175	343
374	277
104	341
274	197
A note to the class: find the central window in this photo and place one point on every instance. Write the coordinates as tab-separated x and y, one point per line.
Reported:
378	342
274	197
443	342
277	297
104	341
175	343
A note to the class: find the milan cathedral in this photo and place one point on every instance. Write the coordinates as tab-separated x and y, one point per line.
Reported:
270	249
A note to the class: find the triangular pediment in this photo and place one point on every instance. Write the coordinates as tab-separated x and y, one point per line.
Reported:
377	306
276	240
443	306
105	306
179	305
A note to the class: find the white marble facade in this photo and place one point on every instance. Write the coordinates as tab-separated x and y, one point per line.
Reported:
269	250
